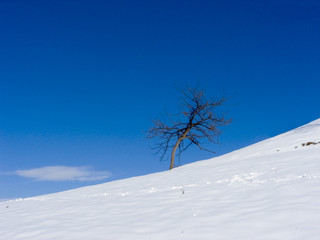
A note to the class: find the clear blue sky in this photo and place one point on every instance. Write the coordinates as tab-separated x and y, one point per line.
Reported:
80	81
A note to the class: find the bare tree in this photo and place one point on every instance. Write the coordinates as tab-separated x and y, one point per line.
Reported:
198	122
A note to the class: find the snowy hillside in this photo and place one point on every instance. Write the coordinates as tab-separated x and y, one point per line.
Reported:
269	190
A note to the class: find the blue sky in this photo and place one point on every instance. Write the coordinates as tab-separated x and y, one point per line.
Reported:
81	81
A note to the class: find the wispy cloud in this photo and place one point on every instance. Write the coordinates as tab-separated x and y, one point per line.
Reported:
63	173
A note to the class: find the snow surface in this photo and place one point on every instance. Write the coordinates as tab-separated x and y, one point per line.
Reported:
269	190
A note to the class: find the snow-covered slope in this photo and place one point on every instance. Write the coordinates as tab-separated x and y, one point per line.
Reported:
269	190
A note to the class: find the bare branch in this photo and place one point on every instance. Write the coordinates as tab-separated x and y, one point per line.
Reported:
201	123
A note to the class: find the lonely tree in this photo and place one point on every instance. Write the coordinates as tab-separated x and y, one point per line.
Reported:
197	122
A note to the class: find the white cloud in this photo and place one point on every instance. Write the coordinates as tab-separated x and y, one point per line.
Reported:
63	173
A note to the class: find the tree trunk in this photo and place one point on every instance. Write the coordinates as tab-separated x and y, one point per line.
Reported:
173	153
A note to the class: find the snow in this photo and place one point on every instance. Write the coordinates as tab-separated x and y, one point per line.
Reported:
269	190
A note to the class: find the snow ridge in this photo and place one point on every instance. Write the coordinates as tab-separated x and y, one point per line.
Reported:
269	190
